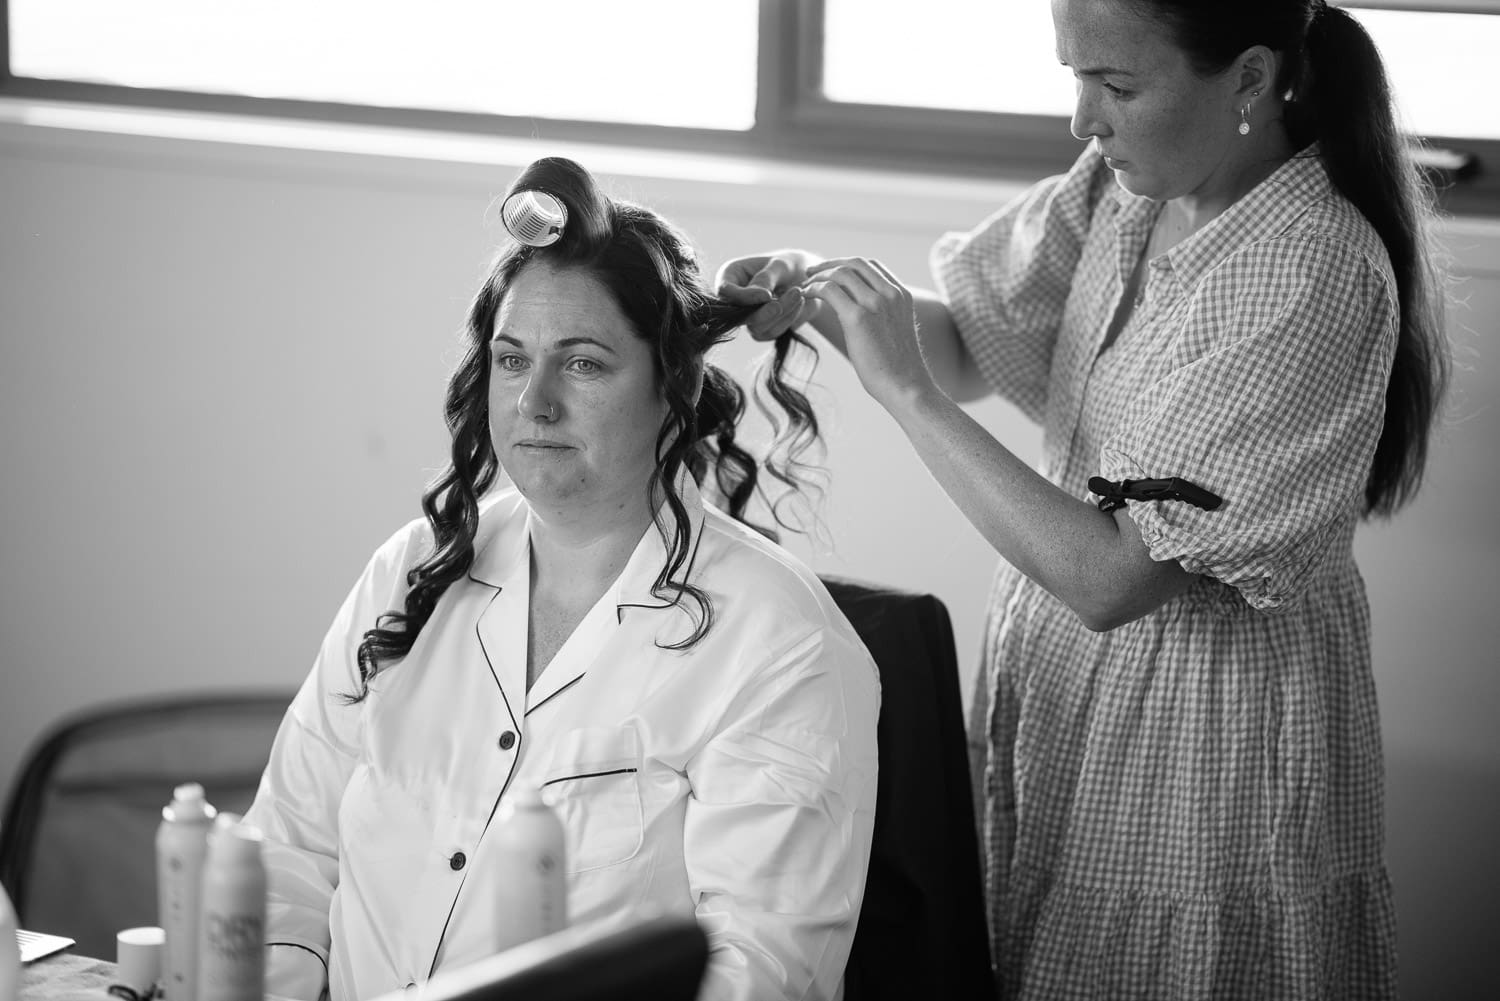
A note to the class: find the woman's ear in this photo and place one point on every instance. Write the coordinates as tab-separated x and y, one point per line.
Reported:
1255	72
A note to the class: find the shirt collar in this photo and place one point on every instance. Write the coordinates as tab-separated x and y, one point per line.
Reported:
502	546
1266	210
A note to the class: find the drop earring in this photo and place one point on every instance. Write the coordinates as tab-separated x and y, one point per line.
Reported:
1244	128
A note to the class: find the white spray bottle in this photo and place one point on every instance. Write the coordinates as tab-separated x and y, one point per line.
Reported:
232	946
181	844
529	852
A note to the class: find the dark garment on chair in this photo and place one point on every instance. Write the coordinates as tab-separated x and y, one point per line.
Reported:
922	928
77	845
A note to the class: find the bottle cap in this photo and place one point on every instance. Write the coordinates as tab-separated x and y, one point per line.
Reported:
138	954
188	804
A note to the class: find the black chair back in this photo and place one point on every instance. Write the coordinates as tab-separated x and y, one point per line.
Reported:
922	931
77	843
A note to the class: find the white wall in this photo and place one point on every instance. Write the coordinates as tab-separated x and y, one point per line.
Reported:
223	347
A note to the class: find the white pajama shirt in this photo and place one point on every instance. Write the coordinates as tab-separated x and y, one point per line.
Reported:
734	780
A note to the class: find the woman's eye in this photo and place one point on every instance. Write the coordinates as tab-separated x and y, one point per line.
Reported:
585	366
509	363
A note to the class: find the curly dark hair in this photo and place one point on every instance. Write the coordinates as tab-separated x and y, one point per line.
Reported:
653	275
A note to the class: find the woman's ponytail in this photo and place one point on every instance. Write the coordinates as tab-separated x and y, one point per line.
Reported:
1337	96
1340	97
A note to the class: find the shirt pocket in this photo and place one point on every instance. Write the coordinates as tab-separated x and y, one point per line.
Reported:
593	783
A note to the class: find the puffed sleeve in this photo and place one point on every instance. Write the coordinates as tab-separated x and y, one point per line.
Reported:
297	803
1274	400
778	828
1007	281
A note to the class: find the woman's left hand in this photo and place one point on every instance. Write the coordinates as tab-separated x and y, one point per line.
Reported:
879	322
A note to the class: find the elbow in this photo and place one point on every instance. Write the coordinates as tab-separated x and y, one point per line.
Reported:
1102	613
1107	610
1102	622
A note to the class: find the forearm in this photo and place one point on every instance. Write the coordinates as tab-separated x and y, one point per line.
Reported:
1092	561
949	361
952	367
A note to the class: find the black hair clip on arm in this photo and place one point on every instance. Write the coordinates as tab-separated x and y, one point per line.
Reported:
1113	496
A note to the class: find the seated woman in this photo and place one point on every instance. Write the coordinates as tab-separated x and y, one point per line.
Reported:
700	713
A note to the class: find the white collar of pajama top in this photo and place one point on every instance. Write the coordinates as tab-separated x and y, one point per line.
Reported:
734	781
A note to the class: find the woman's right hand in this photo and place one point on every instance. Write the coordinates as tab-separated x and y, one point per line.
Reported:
774	279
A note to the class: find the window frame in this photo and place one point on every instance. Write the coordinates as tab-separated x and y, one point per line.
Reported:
794	121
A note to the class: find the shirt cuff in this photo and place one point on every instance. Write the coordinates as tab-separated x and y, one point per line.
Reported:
295	972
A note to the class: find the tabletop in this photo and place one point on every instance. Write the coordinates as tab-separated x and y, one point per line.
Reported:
63	976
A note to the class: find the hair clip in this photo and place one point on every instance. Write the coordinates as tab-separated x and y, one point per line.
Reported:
1112	496
534	217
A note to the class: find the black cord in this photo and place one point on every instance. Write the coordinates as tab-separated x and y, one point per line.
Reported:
127	993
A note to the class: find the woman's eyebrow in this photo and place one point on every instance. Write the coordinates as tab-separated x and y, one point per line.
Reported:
566	342
1096	70
1102	71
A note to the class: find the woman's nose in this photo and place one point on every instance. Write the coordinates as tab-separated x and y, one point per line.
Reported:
537	401
1086	122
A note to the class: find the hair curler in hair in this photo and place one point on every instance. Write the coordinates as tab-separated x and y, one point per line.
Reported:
555	201
533	217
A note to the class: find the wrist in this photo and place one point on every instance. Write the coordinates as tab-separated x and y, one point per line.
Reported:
916	404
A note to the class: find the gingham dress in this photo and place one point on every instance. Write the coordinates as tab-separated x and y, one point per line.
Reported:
1189	806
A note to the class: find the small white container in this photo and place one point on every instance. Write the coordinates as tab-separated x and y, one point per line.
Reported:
181	844
138	958
526	847
10	951
232	945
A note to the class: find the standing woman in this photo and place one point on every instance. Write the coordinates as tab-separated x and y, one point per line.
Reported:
1229	289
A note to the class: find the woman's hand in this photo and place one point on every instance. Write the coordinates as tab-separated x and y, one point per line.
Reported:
774	279
879	324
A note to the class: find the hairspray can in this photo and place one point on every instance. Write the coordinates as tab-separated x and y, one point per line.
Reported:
181	842
232	946
528	852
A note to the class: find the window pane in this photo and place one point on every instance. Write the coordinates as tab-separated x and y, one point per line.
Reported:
973	55
1439	66
657	62
1000	56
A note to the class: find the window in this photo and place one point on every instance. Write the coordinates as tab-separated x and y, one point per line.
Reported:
560	59
978	87
1002	61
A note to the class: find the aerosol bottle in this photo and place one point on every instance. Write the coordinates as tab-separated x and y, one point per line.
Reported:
232	945
181	843
529	854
